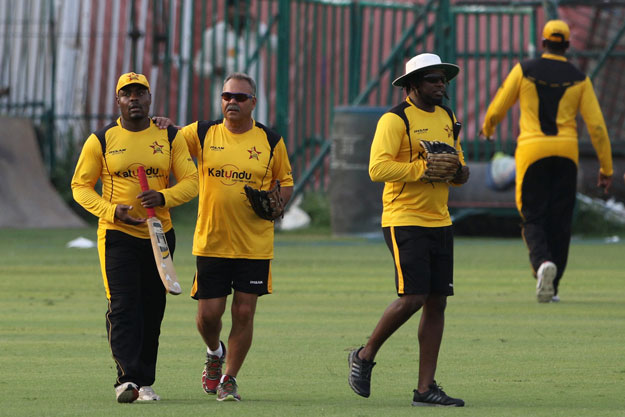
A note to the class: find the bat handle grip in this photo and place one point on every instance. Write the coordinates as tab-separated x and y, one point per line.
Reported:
143	181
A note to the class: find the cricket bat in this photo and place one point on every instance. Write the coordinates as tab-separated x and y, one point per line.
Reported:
159	244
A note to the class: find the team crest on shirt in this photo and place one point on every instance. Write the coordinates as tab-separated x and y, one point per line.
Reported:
254	153
449	131
156	147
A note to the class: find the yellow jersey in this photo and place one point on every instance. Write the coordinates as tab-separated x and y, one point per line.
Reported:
398	159
551	92
227	227
113	155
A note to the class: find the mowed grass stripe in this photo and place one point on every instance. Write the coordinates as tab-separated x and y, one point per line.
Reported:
502	352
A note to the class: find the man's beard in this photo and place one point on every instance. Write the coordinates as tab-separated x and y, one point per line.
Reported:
431	101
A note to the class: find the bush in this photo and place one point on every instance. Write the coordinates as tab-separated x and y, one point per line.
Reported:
595	217
61	177
317	205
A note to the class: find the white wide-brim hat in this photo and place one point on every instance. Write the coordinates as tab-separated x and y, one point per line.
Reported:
426	62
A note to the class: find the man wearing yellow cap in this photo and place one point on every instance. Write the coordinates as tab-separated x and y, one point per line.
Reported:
551	92
135	293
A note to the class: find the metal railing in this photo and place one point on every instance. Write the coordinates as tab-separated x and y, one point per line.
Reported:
61	59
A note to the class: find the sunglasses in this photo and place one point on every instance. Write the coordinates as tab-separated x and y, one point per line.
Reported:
435	78
238	97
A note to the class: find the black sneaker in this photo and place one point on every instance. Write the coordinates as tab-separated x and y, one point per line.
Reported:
359	373
435	397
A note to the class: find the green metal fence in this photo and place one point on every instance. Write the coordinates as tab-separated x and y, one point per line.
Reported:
310	56
489	41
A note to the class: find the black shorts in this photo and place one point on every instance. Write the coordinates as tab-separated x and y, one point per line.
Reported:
424	259
216	277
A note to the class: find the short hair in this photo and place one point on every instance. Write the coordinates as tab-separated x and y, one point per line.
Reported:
243	77
558	47
413	81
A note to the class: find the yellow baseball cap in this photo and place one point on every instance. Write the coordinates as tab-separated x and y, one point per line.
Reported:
556	31
131	78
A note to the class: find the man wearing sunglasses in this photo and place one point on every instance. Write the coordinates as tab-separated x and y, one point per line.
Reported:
234	246
551	92
415	222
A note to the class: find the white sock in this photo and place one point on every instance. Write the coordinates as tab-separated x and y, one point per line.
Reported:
221	380
219	352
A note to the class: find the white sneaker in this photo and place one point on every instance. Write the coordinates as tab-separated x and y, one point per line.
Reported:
555	299
544	287
126	392
147	394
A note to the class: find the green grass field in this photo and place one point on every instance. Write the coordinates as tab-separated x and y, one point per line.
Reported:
503	353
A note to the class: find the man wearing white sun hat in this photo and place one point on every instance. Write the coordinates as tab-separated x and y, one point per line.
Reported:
415	221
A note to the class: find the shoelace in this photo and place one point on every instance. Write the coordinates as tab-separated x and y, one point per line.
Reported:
365	368
437	388
229	387
213	366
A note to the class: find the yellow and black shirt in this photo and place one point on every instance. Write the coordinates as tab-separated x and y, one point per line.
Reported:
398	159
227	227
113	155
551	91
